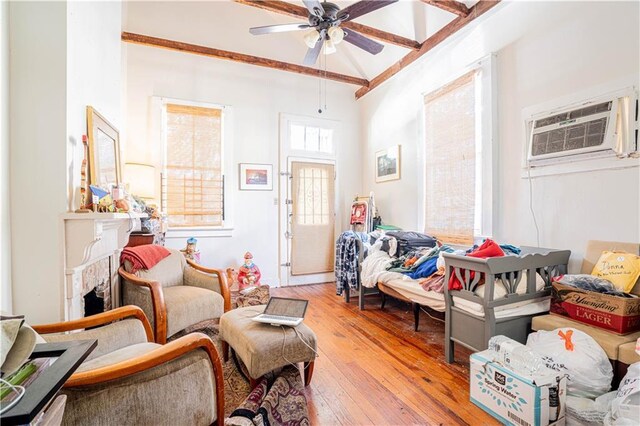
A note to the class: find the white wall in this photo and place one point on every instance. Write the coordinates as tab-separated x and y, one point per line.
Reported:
38	155
93	77
5	229
64	56
257	97
545	50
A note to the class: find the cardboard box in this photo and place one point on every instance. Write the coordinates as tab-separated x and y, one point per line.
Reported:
617	314
516	399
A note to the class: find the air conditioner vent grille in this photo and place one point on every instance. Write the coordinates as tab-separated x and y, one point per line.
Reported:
572	115
583	135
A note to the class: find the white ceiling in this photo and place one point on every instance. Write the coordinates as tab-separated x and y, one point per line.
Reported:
224	24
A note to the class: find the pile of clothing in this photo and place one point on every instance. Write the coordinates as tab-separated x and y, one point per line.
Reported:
487	249
424	264
346	268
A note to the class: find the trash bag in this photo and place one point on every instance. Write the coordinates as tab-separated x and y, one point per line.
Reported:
576	354
587	412
625	407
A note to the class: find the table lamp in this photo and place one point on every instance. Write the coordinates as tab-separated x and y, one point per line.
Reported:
141	179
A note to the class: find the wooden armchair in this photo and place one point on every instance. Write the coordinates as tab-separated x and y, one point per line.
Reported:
129	379
176	293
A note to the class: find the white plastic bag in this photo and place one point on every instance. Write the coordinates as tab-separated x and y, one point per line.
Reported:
625	407
587	412
576	354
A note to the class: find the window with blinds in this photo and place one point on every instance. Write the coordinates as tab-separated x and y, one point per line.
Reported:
192	181
451	153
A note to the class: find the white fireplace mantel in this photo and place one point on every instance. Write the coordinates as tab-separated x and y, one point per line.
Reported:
89	237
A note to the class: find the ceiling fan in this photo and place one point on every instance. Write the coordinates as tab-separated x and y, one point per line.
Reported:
324	24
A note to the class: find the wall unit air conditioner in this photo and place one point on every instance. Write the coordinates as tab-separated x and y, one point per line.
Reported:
603	126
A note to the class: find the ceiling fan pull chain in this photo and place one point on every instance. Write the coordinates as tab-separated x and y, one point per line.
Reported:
320	86
325	83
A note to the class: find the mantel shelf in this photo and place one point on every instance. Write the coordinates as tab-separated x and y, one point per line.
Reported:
102	216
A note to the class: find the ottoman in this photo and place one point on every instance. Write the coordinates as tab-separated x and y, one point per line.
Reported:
263	347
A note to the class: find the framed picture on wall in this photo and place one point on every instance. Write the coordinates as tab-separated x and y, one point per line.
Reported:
256	177
388	164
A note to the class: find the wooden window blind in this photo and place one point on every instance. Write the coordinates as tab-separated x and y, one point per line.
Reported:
193	184
450	157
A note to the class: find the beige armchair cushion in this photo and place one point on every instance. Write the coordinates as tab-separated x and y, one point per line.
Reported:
140	296
196	278
178	392
122	354
110	337
190	305
168	272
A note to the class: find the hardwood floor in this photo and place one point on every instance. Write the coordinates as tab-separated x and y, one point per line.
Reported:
373	369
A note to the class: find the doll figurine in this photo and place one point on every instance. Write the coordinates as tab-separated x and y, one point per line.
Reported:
248	274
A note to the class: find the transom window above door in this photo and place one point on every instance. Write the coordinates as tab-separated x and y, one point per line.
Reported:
311	139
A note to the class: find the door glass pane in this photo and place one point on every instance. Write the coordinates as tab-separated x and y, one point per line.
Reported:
312	199
312	139
326	140
297	137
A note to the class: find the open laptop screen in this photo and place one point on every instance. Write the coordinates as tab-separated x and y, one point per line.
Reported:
294	308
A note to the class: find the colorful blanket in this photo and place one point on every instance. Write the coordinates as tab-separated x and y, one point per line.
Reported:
143	257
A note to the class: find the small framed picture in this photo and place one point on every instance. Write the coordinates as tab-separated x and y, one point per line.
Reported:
388	164
256	177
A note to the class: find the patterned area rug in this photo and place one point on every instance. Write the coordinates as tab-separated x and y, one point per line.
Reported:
277	400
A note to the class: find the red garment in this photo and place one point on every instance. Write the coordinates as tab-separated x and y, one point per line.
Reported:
488	249
143	257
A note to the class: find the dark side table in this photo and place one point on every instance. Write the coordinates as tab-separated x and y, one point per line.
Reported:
45	387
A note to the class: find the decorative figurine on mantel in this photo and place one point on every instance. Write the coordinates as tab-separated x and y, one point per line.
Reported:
83	179
249	274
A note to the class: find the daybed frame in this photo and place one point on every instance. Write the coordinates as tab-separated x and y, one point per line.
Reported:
473	331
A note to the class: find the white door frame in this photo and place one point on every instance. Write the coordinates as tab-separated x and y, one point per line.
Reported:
287	156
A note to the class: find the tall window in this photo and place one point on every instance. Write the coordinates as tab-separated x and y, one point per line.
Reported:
193	184
453	167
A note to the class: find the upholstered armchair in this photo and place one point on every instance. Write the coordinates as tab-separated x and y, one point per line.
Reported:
129	379
176	293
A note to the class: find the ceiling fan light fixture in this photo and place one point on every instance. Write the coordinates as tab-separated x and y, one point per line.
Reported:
311	38
336	34
329	47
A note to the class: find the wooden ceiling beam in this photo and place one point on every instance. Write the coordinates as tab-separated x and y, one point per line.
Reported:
238	57
452	6
296	11
444	33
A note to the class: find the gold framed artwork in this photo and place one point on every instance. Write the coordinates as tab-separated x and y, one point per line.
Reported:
104	150
388	164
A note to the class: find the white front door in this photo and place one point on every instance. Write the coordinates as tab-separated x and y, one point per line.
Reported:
307	200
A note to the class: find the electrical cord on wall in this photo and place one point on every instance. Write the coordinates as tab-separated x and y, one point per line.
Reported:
533	213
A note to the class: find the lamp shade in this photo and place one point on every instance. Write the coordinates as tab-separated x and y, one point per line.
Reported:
311	38
329	47
141	179
336	34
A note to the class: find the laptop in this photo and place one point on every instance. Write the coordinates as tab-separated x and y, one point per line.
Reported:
283	311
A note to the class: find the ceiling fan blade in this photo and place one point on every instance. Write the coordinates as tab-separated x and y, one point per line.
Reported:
312	54
363	42
314	7
270	29
363	7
